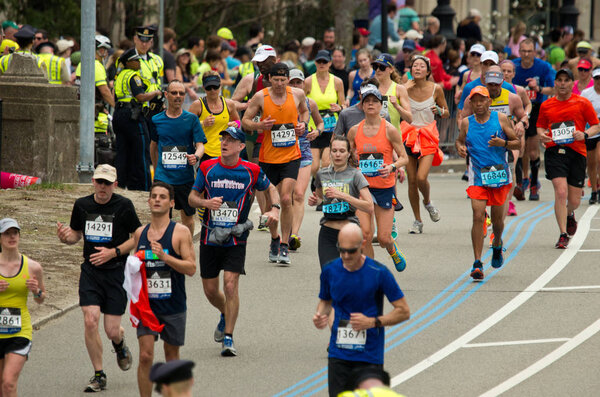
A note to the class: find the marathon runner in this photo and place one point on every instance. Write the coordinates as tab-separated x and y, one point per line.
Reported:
364	71
284	117
225	186
105	221
561	127
486	136
591	144
168	255
373	142
353	287
18	276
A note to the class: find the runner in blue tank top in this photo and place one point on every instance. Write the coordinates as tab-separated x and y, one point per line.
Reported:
225	187
169	257
486	136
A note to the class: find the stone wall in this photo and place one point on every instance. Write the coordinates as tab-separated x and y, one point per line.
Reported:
40	123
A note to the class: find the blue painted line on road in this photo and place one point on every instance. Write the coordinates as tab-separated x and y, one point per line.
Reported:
522	219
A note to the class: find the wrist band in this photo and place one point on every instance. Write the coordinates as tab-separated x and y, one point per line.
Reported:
239	124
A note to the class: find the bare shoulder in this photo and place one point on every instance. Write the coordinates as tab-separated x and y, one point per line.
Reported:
34	266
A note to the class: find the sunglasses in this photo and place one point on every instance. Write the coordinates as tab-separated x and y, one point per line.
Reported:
347	250
322	61
582	51
180	93
475	54
583	69
212	87
103	182
597	78
38	38
379	67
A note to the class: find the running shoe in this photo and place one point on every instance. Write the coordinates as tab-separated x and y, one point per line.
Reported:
220	330
284	255
594	198
518	192
228	349
124	357
497	257
262	224
571	224
398	258
434	214
97	383
563	241
534	195
417	227
274	250
525	185
397	204
394	229
512	210
477	270
294	242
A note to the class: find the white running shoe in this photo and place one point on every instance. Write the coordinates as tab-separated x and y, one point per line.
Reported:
434	214
417	227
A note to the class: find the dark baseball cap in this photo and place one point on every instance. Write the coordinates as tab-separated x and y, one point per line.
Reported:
280	69
566	71
323	55
409	45
385	60
211	81
235	133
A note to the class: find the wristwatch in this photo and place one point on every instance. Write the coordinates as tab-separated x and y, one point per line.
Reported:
585	135
393	167
118	251
39	293
378	323
276	206
197	158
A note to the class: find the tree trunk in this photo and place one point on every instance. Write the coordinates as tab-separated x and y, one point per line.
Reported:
344	11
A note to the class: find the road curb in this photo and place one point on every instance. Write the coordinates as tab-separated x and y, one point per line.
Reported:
55	315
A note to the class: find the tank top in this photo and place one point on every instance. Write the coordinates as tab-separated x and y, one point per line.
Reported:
302	141
15	320
213	145
324	101
166	287
356	87
388	109
421	111
280	144
501	104
373	152
258	85
488	166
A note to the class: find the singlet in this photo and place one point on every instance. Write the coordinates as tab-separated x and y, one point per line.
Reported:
576	89
324	101
303	142
488	166
166	286
388	109
501	103
212	147
356	87
235	184
349	181
373	152
280	144
421	111
15	320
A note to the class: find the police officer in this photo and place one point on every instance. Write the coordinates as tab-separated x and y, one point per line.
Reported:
151	68
24	39
102	91
173	378
56	69
133	144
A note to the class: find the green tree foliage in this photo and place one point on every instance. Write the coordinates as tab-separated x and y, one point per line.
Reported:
58	17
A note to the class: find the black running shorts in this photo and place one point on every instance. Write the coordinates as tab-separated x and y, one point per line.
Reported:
564	162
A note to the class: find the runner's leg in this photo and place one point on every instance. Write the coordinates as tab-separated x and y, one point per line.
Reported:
232	299
213	294
413	187
497	214
366	226
13	364
298	201
146	343
171	352
91	320
422	175
478	207
384	218
285	188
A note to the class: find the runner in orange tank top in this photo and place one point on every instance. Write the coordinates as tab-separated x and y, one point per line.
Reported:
373	142
281	108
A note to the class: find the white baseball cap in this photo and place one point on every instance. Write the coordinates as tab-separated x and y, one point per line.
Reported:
478	48
8	223
296	74
596	72
489	56
263	52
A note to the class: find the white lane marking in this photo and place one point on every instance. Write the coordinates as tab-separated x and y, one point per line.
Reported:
594	230
516	342
594	250
560	263
545	361
570	288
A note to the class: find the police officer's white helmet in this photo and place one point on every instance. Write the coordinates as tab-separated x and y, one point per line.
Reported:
102	42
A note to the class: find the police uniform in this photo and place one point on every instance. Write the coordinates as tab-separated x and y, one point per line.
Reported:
25	33
151	71
133	144
53	63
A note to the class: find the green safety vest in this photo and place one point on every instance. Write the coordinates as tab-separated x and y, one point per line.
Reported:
53	67
151	71
5	60
122	87
246	69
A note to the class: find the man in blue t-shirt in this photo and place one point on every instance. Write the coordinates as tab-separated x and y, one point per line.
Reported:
354	286
225	187
177	144
537	77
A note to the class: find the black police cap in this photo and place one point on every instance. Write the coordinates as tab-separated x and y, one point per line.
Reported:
172	371
145	33
26	33
129	55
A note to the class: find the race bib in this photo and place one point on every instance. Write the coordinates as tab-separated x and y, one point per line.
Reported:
339	207
370	163
494	176
384	107
159	284
174	157
562	133
531	94
226	216
329	121
501	109
10	320
99	228
283	135
347	338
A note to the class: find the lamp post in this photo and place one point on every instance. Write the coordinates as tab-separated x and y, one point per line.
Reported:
568	14
445	14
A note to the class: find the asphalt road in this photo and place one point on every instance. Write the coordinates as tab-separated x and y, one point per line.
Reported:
529	329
